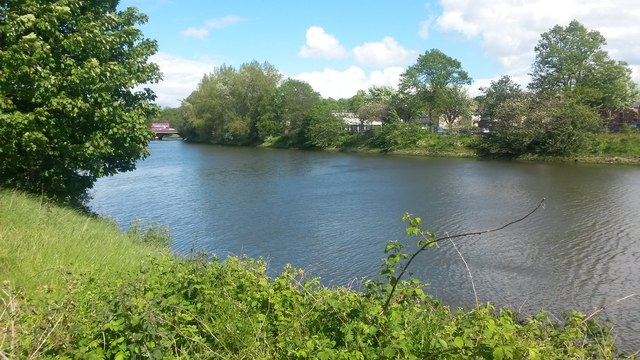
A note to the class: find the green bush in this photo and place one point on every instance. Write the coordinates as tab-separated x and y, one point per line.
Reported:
396	136
540	127
196	308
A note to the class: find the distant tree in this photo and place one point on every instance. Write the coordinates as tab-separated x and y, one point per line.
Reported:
381	94
68	110
570	61
498	93
539	126
228	104
431	79
288	107
206	108
377	105
323	128
250	93
407	107
339	106
456	105
357	100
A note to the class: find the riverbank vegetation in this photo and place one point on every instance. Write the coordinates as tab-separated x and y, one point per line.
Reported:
75	287
578	101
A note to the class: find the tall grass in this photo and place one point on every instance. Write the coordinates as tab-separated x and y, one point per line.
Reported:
621	144
41	244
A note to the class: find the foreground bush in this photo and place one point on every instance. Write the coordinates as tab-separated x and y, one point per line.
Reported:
231	309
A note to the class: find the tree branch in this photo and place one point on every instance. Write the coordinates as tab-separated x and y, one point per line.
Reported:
448	237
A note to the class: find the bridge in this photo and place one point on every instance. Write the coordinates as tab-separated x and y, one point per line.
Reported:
162	129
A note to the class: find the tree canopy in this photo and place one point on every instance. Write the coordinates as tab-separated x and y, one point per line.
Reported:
570	61
498	92
68	109
431	81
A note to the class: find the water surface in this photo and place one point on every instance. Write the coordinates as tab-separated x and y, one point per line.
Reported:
333	213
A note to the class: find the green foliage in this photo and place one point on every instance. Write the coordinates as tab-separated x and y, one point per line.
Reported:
456	105
625	144
324	129
552	127
570	61
396	136
234	107
498	93
169	307
68	111
433	81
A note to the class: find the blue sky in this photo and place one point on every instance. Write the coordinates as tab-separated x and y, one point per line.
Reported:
342	46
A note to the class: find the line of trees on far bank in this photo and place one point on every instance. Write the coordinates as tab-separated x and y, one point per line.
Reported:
575	88
71	111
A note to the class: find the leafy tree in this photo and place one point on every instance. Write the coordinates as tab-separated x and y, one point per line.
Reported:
564	127
570	61
68	111
498	93
376	105
357	100
323	128
512	134
456	105
290	104
250	94
539	126
396	135
229	104
431	79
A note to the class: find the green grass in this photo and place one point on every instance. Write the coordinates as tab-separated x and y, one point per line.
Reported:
622	144
452	145
42	244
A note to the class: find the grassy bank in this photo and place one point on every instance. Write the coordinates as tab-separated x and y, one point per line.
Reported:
607	148
116	296
42	244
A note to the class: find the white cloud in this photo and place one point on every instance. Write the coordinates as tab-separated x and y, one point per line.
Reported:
198	33
383	54
509	29
180	77
202	33
321	45
387	77
345	84
223	22
423	32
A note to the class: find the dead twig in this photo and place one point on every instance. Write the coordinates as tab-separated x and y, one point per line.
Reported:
473	286
448	237
602	308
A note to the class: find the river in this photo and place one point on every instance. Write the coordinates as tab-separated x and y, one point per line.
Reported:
332	214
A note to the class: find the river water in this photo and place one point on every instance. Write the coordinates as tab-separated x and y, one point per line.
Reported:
332	214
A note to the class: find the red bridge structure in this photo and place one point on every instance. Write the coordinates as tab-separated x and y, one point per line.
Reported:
160	129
